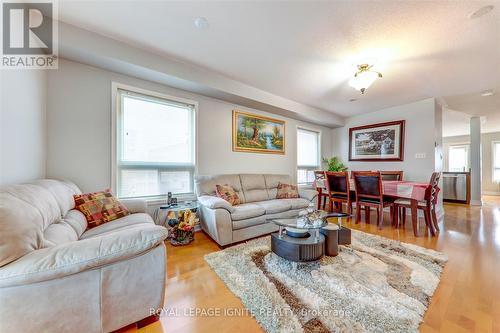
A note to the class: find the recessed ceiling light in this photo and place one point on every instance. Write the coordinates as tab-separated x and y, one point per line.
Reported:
487	93
481	12
201	23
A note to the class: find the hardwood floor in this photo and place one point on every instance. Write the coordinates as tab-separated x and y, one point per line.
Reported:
467	299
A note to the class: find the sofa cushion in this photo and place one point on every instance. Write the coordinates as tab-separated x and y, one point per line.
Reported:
123	222
227	193
287	191
272	182
205	185
284	215
246	211
99	207
297	203
62	191
240	224
274	206
254	187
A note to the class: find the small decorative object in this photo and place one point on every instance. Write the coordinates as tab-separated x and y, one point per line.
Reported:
173	201
311	216
334	164
182	224
169	198
258	134
377	142
364	77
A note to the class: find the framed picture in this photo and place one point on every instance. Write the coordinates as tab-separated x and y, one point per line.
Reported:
377	142
258	134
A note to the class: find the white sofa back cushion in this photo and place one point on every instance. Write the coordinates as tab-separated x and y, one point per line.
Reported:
27	213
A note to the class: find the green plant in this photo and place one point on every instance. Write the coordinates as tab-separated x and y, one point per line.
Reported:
334	164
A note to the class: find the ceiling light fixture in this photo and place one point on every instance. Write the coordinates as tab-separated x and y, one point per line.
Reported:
487	93
201	23
364	77
481	12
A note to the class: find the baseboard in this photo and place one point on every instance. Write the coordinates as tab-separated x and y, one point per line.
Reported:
476	203
490	193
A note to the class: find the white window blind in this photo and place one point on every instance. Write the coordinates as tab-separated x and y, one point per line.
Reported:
458	158
496	161
308	152
155	145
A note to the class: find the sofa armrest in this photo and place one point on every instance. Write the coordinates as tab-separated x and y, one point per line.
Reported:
308	194
213	202
135	205
74	257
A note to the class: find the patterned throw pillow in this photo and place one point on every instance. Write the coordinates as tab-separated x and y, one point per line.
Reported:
227	193
287	191
99	207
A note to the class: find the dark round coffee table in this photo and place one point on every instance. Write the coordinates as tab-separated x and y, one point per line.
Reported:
309	247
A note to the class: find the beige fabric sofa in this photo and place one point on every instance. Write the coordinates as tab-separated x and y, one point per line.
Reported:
228	224
57	277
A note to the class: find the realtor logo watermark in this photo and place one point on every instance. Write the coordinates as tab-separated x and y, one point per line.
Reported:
29	35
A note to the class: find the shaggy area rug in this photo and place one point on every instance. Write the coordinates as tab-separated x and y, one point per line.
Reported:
374	285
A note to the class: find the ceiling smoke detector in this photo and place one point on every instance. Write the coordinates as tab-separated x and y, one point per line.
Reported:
487	93
481	12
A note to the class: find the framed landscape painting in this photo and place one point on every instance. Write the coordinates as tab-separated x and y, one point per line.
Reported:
258	134
377	142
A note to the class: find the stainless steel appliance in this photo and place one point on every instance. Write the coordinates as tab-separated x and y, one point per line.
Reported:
456	186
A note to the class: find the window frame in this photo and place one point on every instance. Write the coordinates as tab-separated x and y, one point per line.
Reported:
493	158
467	157
115	141
307	167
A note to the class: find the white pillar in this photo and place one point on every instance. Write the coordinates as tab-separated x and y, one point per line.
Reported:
475	156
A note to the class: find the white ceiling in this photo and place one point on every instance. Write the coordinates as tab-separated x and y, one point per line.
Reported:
306	51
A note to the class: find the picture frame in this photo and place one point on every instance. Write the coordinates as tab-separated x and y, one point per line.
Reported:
377	142
254	133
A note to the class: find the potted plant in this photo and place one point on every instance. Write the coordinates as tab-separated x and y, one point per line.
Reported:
334	164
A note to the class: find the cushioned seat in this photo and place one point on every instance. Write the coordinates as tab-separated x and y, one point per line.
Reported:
120	223
297	203
242	224
247	211
274	206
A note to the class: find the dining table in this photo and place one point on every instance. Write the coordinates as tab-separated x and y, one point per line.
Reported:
397	189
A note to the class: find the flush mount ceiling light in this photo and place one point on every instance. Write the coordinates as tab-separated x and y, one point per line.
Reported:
201	23
481	12
487	93
364	77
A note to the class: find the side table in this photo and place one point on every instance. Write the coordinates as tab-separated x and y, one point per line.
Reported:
169	216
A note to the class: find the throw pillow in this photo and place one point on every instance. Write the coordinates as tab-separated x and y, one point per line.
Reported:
287	191
99	207
227	193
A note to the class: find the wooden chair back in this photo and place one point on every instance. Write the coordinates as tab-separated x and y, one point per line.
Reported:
338	183
391	175
319	175
368	185
432	195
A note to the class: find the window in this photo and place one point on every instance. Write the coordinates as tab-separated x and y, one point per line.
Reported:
496	161
308	152
155	145
458	158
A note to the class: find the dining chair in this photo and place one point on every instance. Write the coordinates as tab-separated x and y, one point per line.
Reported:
392	175
338	189
320	178
428	206
369	193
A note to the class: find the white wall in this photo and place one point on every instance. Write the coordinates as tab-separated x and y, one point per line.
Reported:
487	139
421	136
22	125
79	129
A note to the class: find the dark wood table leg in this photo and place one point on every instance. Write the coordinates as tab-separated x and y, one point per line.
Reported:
320	197
414	216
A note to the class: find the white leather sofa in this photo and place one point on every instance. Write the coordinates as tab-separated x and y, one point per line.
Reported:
57	277
228	224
